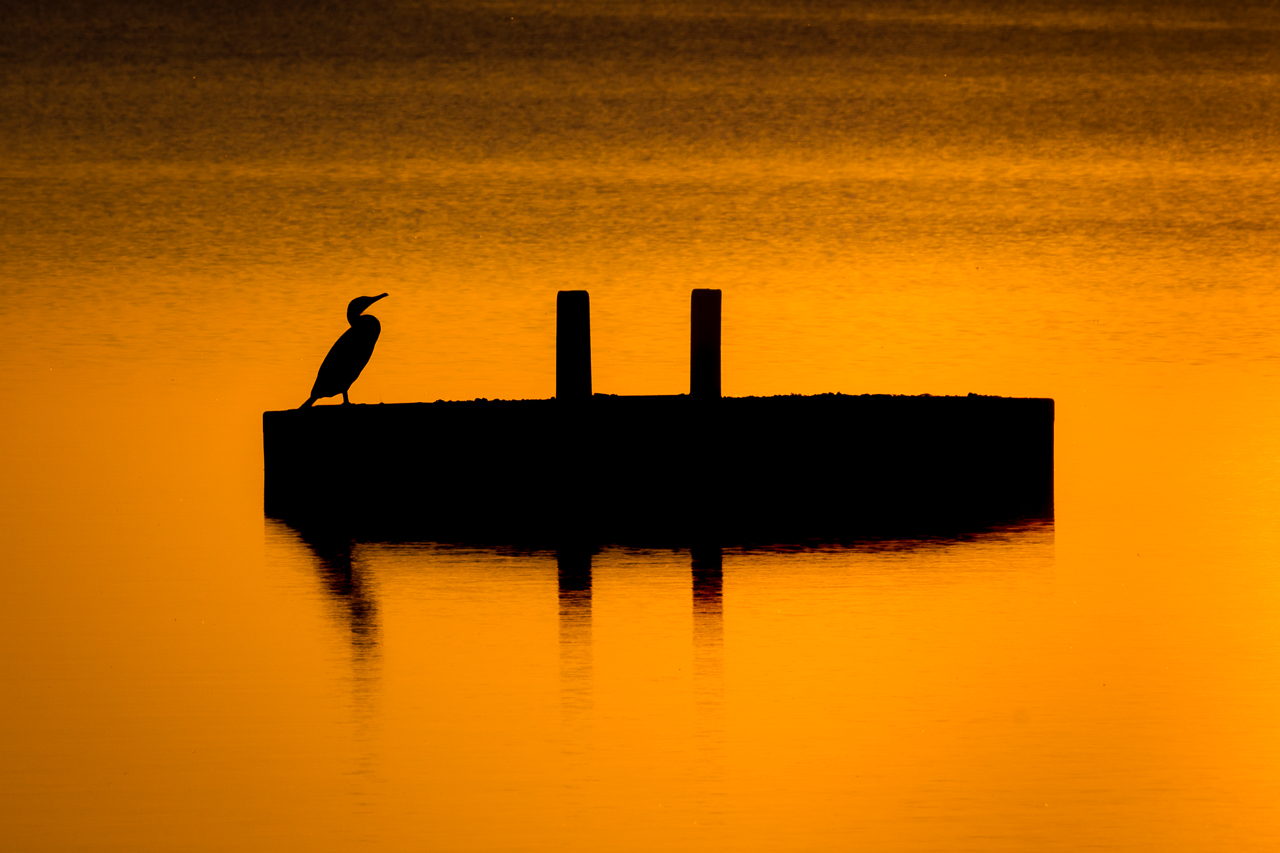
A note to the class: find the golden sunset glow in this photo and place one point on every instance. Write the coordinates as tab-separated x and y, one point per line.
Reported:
1072	202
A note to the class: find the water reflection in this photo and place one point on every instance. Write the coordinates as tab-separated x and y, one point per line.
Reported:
598	687
346	579
708	582
708	617
708	660
350	590
574	571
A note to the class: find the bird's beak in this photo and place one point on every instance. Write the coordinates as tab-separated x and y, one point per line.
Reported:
374	299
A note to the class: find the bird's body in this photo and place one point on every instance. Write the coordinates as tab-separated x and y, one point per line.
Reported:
346	358
349	354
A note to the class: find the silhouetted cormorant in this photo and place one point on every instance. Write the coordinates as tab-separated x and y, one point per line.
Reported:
349	354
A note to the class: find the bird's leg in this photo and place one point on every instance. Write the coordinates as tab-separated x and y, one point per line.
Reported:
345	400
307	404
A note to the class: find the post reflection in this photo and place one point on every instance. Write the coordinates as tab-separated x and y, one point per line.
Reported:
708	673
708	631
574	568
708	586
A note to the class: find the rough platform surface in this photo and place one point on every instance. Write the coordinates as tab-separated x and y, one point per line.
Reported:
667	470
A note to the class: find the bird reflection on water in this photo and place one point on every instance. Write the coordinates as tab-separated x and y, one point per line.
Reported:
345	581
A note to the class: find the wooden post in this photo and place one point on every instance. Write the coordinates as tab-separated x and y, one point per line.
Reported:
573	345
704	352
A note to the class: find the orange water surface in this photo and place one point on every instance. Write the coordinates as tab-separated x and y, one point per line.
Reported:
1079	202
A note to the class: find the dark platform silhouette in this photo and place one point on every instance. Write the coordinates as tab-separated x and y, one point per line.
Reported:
693	469
665	470
349	354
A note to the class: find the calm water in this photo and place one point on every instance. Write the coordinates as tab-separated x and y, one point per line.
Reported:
1080	202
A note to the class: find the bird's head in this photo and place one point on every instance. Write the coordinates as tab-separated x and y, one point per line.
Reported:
358	306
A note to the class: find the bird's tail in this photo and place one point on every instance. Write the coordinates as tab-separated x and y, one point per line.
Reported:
307	404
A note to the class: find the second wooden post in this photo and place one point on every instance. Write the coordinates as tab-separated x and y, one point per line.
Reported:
704	352
573	345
